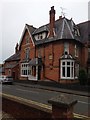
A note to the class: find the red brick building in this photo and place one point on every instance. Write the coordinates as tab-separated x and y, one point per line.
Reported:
11	64
55	51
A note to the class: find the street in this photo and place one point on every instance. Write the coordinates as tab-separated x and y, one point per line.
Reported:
42	96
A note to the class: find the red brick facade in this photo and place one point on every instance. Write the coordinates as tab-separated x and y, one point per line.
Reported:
59	48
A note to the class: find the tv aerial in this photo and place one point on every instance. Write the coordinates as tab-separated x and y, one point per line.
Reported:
62	11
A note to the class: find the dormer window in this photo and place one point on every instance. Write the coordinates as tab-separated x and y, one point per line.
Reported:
40	36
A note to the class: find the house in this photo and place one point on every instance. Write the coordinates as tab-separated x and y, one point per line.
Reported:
54	51
2	72
11	64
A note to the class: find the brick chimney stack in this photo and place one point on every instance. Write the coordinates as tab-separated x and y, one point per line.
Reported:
52	21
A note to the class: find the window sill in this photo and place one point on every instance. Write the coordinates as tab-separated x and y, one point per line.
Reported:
65	78
24	75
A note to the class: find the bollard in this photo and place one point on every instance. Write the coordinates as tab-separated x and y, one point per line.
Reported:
62	107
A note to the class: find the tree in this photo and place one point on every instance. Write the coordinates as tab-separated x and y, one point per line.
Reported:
82	77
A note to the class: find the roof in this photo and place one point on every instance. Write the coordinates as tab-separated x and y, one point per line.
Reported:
84	31
64	29
14	57
30	30
67	56
35	62
10	66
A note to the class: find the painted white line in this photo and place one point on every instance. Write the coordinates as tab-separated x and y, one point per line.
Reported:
28	91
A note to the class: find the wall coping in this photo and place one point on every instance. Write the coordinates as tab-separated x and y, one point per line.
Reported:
30	103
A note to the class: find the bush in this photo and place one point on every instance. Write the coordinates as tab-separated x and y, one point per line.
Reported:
82	77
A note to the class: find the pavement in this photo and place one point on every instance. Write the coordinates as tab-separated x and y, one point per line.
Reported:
75	88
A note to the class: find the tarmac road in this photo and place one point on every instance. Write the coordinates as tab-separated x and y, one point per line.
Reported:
42	96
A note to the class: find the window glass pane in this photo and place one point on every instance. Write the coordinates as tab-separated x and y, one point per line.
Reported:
72	72
72	63
24	72
68	71
63	63
63	71
68	63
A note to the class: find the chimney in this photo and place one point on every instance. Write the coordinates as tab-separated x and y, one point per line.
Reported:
60	17
16	48
52	21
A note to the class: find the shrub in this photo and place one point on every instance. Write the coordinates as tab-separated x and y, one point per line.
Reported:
82	77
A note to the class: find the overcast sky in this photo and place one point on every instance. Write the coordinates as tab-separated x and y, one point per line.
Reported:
14	14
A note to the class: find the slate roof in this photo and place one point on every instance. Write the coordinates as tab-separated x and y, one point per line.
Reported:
33	62
31	28
67	56
41	29
84	31
10	66
64	29
14	57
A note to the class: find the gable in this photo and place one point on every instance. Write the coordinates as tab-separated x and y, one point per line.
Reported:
27	36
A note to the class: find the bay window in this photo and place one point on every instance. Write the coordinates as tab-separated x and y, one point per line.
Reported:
67	69
25	70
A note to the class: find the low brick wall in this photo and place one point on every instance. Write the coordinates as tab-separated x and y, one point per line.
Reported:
21	111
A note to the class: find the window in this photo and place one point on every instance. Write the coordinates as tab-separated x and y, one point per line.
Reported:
67	69
41	37
27	39
27	53
25	69
76	70
66	48
76	51
9	72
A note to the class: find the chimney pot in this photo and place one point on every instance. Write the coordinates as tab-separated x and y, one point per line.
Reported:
60	17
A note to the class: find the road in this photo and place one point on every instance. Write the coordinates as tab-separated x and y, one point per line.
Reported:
42	96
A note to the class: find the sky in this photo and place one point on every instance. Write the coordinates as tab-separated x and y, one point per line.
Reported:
14	14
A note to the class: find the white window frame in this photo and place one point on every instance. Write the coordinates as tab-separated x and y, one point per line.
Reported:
71	67
28	69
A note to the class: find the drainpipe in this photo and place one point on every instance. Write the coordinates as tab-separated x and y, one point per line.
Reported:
36	68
